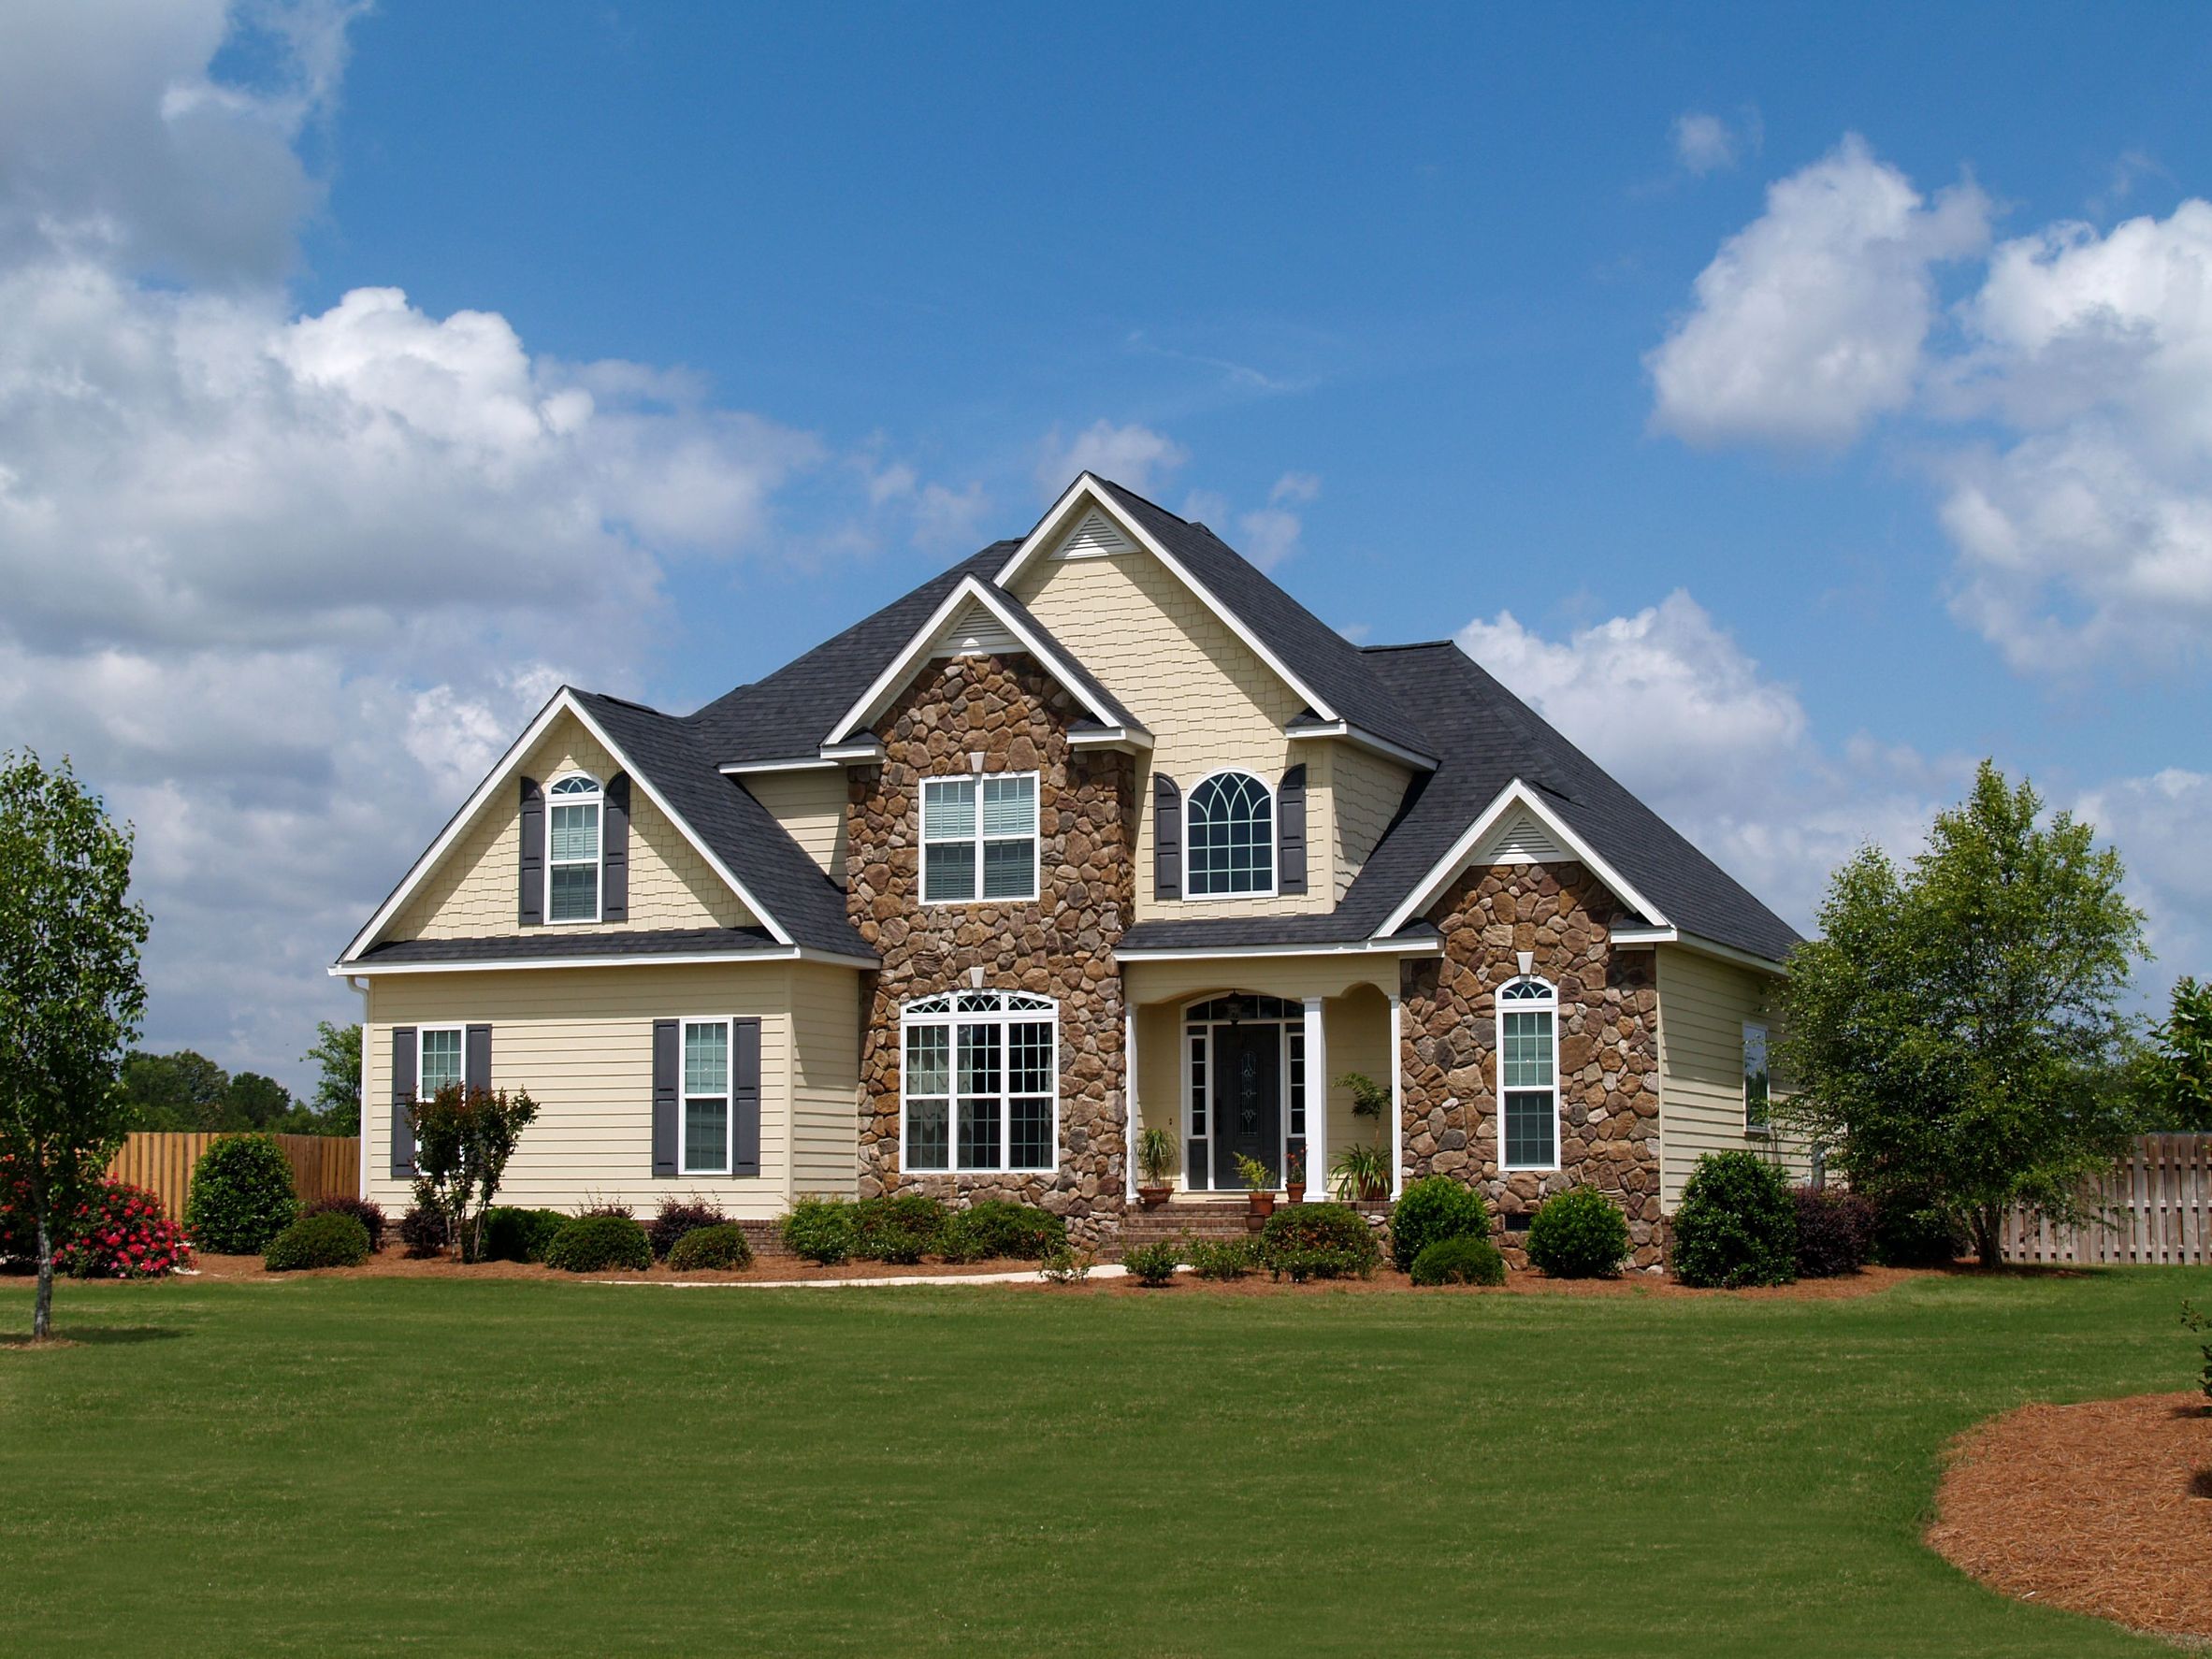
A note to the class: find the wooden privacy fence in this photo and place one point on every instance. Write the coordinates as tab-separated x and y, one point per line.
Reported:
2157	1205
323	1166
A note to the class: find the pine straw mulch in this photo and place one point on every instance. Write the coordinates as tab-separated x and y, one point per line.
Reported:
395	1262
2103	1507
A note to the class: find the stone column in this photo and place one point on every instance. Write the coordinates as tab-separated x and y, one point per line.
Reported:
1317	1102
1129	1106
1397	1098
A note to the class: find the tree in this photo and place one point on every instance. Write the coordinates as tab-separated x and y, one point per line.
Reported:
463	1138
183	1090
336	1055
255	1102
2173	1075
70	995
1950	1033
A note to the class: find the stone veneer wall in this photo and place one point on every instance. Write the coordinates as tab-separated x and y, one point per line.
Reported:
1009	711
1609	1050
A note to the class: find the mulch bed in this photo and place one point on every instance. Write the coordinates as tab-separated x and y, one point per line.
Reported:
2103	1507
395	1262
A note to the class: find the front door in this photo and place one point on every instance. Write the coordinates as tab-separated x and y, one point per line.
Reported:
1248	1099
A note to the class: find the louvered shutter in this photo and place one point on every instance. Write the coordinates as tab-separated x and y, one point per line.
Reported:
667	1062
1290	832
403	1083
1167	838
530	910
476	1058
614	852
744	1098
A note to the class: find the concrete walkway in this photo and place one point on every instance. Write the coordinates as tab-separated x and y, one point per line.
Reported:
1105	1270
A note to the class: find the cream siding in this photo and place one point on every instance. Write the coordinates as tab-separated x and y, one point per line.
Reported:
1364	793
579	1042
825	1079
810	804
1703	1006
471	892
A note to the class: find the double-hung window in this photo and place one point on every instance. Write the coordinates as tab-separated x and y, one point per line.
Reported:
980	1087
572	852
440	1060
706	1115
1756	1084
1528	1075
979	838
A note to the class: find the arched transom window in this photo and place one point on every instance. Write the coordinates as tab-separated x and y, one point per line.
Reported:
1528	1075
572	850
1231	836
980	1087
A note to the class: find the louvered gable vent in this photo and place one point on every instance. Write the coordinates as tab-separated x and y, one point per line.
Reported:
1094	538
974	632
1523	840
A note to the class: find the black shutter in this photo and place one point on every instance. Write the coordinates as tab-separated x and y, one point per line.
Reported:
668	1062
476	1058
1290	832
530	868
403	1058
744	1098
614	852
1167	838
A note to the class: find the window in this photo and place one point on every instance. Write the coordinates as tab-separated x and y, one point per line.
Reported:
979	824
572	852
1755	1079
1528	1075
1231	836
441	1060
705	1145
981	1084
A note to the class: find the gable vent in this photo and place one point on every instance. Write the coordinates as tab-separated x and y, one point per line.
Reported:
974	632
1523	840
1094	538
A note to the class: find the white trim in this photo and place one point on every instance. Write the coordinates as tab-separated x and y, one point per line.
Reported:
1111	737
1397	1098
1036	838
869	748
729	1024
1764	1128
782	953
424	1030
920	646
1360	737
1129	1105
1048	533
1550	1008
1358	948
737	769
1189	1031
562	702
1516	793
1708	947
1316	1056
950	1021
597	801
1274	838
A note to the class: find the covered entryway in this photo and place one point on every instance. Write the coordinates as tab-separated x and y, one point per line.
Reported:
1245	1089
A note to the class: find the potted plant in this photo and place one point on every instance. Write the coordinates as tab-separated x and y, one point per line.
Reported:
1370	1099
1360	1171
1155	1162
1293	1175
1260	1191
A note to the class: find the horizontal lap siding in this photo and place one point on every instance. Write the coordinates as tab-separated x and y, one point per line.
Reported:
810	805
579	1042
1703	1006
825	1080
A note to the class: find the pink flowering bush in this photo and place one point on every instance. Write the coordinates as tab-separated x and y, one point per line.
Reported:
123	1234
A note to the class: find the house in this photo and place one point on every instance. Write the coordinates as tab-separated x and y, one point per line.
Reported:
1097	830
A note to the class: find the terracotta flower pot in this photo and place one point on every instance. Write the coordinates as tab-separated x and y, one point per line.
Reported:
1298	1191
1263	1206
1151	1197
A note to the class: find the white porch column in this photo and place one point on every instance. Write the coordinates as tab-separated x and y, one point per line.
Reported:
1397	1098
1129	1102
1317	1102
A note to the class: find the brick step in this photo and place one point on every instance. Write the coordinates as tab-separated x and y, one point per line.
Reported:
1175	1220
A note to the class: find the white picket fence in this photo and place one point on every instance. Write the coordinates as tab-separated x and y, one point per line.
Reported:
2158	1209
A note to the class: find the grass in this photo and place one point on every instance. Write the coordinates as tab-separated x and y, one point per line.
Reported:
337	1467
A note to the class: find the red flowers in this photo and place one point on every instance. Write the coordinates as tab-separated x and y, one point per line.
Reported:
129	1237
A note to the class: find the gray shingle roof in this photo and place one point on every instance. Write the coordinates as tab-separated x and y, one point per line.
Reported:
560	945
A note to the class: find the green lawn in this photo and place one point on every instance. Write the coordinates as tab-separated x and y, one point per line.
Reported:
519	1468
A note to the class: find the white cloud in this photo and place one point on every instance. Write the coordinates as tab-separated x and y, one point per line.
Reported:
1811	319
2157	824
1133	455
1298	487
1268	535
1705	143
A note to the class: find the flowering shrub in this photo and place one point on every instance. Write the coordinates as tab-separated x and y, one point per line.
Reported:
19	1226
123	1234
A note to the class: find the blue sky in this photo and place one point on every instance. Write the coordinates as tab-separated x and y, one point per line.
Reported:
1795	406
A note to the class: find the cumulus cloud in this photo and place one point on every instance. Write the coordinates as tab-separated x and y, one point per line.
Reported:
1810	321
1133	456
2157	823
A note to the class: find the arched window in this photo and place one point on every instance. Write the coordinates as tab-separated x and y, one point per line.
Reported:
980	1087
1230	837
1528	1075
572	850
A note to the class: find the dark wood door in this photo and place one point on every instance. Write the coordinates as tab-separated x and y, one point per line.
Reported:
1248	1101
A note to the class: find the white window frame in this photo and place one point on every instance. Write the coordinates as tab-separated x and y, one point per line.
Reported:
1036	838
597	801
1197	1058
949	1011
684	1023
422	1053
1274	837
1549	1004
1762	1125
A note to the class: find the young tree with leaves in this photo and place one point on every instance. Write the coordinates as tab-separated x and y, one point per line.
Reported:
1948	1032
70	995
463	1138
337	1058
2173	1075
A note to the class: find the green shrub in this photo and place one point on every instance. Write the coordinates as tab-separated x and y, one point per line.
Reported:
721	1246
1463	1258
1319	1241
367	1211
1911	1229
513	1235
330	1239
901	1228
676	1219
1225	1257
1579	1234
1153	1263
1736	1225
242	1196
1432	1208
994	1227
424	1231
593	1244
820	1230
1063	1264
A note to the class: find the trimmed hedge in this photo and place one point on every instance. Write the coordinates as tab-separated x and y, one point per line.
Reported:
721	1246
1154	1264
1835	1232
511	1234
1460	1259
902	1228
367	1211
1736	1225
330	1239
594	1244
242	1196
675	1219
1433	1208
993	1227
821	1230
1305	1241
1578	1233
